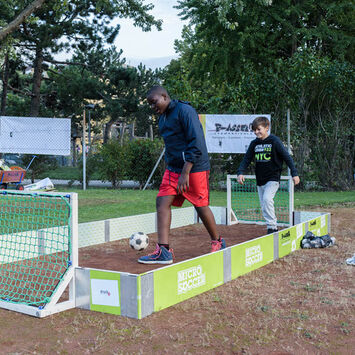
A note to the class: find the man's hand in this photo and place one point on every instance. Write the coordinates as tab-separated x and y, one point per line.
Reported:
240	179
296	180
183	183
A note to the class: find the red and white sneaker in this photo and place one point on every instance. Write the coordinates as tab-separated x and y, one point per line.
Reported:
217	245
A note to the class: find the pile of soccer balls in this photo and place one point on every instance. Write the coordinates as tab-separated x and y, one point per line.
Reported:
312	241
138	241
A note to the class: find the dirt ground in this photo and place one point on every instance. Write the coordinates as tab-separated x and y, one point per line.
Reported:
187	243
303	303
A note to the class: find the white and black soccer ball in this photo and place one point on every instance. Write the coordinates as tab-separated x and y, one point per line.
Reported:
138	241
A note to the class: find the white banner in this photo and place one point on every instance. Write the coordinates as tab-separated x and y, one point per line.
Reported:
35	135
105	292
229	133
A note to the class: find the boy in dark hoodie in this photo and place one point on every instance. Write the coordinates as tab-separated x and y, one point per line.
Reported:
187	173
269	154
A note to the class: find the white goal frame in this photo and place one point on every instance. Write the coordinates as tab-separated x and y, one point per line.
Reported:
232	218
68	279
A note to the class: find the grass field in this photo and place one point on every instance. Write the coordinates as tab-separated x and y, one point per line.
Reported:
98	204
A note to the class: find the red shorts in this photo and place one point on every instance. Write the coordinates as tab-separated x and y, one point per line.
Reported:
197	194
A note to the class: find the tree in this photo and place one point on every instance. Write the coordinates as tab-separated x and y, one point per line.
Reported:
228	34
258	56
20	18
77	24
117	89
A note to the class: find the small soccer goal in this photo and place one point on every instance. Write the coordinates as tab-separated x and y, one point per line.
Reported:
38	251
243	201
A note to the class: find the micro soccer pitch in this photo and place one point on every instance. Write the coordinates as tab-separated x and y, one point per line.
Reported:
47	259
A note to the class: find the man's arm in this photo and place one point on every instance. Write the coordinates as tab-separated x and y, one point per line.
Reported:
193	133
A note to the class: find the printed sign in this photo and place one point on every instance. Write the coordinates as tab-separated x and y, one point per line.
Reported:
319	225
228	133
181	281
191	278
252	255
35	135
290	239
105	291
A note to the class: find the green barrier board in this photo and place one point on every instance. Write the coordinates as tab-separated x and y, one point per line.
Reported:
184	280
319	225
290	239
252	255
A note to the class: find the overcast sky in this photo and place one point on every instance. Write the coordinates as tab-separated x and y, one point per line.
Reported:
154	48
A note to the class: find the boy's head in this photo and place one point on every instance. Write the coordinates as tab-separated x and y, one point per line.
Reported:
158	99
261	127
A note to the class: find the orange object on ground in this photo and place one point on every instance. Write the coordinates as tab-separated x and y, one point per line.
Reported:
14	176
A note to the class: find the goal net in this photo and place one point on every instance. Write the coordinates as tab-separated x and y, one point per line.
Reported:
38	251
243	203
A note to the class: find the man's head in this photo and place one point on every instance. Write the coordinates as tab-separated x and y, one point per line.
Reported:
158	99
261	127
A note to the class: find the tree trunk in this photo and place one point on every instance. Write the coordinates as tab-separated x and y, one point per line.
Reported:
122	133
151	135
107	130
5	79
37	79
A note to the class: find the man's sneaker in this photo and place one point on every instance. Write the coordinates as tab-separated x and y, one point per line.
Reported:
271	230
217	245
161	255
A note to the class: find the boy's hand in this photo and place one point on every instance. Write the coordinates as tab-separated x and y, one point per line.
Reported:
240	179
183	183
296	180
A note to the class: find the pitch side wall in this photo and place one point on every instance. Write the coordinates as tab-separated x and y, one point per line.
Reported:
137	296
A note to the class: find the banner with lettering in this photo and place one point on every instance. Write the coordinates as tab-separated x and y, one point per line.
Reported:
229	133
181	281
251	255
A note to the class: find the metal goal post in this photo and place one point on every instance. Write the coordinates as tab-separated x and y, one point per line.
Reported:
38	251
243	203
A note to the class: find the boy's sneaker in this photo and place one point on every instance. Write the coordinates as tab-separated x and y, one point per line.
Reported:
271	230
161	255
217	245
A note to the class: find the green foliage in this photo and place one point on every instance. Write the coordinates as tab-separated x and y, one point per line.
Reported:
132	160
119	90
227	34
268	57
113	163
61	25
61	173
91	166
40	164
143	155
221	166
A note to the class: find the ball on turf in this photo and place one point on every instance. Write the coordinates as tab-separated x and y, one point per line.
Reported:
138	241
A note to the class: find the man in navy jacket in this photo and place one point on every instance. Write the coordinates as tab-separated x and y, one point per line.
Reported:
187	173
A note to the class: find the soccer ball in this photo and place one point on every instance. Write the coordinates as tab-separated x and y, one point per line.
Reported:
138	241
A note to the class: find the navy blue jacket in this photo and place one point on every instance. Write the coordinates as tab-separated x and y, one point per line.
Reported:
183	136
269	155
